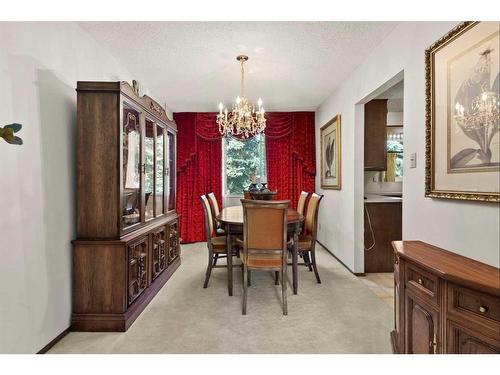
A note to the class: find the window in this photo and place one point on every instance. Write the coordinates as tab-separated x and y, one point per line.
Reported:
395	154
242	158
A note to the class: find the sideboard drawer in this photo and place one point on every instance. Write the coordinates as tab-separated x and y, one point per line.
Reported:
422	283
468	302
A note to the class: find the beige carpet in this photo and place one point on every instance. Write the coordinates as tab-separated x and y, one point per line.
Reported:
341	315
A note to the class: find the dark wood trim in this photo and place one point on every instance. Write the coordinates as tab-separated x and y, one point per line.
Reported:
58	338
333	255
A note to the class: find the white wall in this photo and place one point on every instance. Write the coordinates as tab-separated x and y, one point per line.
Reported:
468	228
39	66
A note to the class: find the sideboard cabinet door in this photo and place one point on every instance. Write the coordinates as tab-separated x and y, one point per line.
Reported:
158	252
173	241
137	268
422	322
462	340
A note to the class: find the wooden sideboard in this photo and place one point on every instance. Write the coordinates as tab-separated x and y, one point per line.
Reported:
127	243
443	302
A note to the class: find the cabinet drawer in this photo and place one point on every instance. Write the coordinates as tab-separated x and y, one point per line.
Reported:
475	305
422	282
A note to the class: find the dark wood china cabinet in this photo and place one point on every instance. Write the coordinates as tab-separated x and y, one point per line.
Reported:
127	243
444	302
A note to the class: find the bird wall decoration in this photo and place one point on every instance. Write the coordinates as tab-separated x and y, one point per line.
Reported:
7	133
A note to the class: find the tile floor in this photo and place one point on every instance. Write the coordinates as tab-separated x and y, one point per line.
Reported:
381	284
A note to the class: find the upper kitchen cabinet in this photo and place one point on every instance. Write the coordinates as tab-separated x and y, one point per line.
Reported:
376	135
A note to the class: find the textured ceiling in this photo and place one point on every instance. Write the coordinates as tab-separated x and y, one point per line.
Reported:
191	66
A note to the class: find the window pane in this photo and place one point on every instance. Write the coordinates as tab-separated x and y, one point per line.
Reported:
243	159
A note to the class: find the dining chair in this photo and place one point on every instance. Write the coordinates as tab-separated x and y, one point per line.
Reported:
301	204
264	242
216	244
307	239
214	210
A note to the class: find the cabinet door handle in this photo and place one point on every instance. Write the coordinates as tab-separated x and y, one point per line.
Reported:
434	344
420	281
483	309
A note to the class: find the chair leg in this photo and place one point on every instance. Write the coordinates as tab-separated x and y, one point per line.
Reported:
215	259
276	277
283	290
249	278
245	288
307	260
209	268
313	257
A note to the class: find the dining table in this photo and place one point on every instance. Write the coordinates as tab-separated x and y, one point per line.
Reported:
231	219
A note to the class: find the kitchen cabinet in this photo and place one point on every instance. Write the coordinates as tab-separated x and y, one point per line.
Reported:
376	135
385	219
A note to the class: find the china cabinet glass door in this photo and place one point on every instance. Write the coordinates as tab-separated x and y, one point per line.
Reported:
149	160
160	170
131	184
171	149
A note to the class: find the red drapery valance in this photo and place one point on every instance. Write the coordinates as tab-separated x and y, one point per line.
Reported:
290	154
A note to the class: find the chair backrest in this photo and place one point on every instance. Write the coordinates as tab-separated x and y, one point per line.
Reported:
302	202
209	221
265	226
214	205
311	222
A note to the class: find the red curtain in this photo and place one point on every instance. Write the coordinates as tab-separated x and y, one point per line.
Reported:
199	170
290	154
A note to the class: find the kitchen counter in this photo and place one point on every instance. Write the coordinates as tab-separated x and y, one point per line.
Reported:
379	198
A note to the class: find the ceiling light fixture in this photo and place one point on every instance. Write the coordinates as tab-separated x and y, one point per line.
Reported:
243	120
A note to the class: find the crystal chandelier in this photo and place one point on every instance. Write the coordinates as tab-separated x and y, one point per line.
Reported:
243	120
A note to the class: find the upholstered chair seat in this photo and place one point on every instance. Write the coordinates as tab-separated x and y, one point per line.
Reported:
264	261
305	242
219	244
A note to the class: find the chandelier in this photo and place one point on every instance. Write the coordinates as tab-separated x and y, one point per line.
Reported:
243	120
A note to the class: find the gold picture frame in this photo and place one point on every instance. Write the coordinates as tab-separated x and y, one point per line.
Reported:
449	64
331	162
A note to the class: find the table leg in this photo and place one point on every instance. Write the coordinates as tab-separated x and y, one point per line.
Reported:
295	259
229	249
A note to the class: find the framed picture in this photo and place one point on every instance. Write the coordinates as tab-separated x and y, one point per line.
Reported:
330	154
462	114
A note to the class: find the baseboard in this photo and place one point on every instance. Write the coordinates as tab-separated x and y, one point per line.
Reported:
58	338
333	255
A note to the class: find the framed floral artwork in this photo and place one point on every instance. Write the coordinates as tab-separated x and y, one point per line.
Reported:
330	154
462	114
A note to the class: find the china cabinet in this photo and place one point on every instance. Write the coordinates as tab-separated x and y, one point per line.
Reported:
127	243
444	302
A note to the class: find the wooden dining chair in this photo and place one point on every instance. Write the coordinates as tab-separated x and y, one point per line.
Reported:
264	242
216	244
214	209
307	239
301	204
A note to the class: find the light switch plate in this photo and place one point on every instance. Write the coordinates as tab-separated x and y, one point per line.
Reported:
413	160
